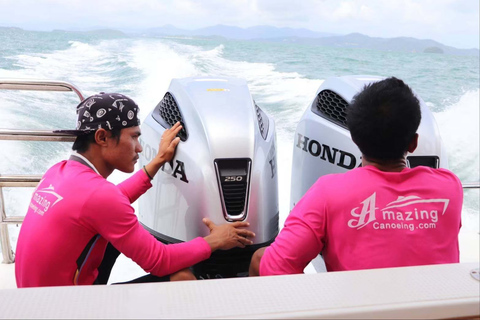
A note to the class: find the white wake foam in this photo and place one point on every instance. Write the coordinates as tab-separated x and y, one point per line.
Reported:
459	128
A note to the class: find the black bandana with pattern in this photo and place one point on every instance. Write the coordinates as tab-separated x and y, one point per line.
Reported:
105	110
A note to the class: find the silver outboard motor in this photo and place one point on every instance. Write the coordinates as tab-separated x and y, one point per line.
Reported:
322	143
224	169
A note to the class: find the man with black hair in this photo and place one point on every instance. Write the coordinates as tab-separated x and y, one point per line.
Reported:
77	221
383	214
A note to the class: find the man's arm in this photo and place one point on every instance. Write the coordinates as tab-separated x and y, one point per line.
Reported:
139	183
111	215
300	240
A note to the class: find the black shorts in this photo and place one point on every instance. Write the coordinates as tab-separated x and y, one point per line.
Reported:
147	278
106	266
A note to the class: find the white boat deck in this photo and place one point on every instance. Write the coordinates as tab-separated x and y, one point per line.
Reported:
438	291
125	269
7	276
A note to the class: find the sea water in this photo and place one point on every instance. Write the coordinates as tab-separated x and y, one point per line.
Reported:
282	78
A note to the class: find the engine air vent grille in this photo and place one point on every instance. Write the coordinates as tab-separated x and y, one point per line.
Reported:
331	106
167	114
234	195
262	119
234	181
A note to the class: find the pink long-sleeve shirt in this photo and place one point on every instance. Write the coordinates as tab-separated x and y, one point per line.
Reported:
367	218
74	208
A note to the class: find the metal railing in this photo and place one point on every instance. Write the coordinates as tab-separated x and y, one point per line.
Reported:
39	85
26	135
471	185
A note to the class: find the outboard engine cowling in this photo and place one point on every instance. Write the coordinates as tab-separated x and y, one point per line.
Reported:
323	145
223	169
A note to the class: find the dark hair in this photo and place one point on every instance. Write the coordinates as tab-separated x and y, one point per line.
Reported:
383	119
82	143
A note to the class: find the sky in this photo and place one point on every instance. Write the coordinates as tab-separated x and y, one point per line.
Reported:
451	22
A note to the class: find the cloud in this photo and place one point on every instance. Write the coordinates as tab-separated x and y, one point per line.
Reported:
442	20
454	22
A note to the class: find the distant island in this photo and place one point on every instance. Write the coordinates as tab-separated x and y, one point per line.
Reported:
308	37
230	32
287	35
433	50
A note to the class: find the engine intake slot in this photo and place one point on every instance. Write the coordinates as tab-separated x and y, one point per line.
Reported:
233	176
428	161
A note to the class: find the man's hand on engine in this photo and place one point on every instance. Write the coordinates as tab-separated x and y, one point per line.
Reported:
228	235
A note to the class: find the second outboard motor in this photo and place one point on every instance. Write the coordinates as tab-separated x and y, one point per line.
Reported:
322	143
224	169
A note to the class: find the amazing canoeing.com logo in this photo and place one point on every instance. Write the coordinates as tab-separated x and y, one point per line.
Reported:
409	213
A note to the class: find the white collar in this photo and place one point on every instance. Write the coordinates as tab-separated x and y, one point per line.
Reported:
78	155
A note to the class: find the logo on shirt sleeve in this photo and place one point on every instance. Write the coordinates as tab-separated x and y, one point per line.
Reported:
410	212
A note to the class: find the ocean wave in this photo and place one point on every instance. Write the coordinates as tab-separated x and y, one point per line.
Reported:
215	52
459	129
78	44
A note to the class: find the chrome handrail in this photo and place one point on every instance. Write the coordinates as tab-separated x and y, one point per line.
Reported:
471	185
19	180
34	135
39	85
26	135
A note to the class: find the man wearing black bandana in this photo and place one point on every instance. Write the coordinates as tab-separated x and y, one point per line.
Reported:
78	222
